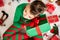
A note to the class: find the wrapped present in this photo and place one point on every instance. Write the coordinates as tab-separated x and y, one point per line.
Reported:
1	3
52	19
54	37
40	25
50	8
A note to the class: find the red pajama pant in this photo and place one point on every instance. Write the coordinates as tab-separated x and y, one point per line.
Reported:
13	34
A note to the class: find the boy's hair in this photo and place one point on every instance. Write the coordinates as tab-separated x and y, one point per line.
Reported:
36	7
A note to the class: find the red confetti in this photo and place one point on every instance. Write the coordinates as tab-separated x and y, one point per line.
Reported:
29	0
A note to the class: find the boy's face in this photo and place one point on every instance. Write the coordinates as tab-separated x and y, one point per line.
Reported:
27	14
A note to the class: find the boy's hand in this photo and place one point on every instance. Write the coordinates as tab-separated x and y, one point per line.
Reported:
22	31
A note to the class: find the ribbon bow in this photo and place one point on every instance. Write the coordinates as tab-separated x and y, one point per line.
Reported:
35	21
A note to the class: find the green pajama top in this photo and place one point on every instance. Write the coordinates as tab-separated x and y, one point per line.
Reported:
19	15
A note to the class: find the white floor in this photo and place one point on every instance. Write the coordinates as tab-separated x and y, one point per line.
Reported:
10	9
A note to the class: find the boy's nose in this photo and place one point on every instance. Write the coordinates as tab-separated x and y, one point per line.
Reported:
25	14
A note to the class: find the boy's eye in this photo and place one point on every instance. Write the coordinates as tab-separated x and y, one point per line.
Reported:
25	11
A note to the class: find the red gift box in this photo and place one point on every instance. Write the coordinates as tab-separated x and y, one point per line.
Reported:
50	7
52	19
54	38
1	3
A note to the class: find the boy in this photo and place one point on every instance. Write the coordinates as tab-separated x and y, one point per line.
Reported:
25	12
28	11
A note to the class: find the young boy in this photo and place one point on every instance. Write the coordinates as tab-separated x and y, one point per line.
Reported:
25	12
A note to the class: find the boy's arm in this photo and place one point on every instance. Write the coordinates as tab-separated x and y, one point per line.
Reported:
17	21
17	17
18	14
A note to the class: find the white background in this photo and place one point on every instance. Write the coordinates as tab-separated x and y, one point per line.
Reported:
10	9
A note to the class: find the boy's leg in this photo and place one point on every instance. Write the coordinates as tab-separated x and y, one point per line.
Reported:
11	31
14	33
14	37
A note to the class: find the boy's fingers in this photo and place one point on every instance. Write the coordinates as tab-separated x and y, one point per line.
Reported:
22	31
